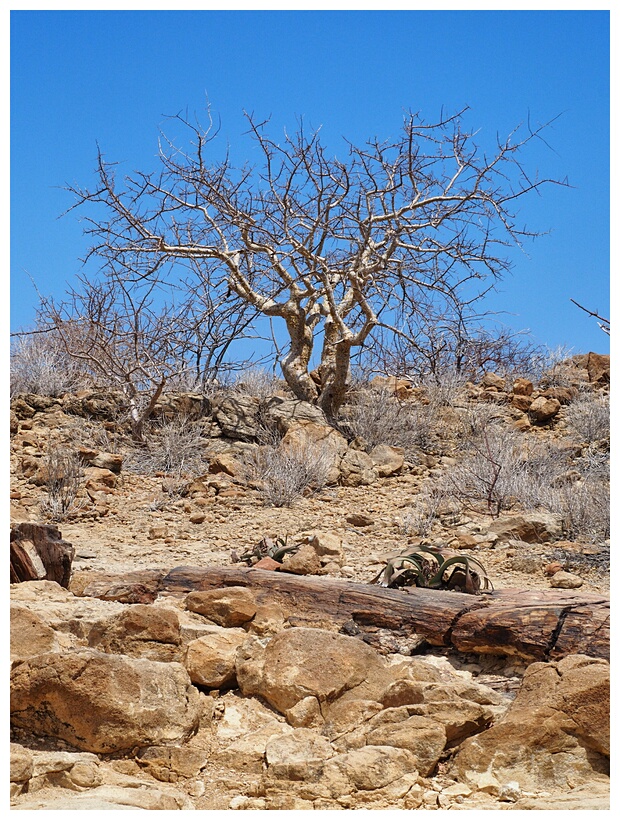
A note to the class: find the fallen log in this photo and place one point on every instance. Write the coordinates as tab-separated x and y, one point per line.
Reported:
38	553
530	624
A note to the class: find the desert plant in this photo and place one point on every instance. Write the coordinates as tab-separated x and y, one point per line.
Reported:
285	472
266	548
64	482
379	417
434	569
39	364
175	446
588	417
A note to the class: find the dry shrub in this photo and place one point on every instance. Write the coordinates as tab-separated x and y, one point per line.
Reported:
65	477
40	365
588	417
176	446
379	417
425	512
286	472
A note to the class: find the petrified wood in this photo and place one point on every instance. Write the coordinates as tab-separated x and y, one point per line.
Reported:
39	553
531	624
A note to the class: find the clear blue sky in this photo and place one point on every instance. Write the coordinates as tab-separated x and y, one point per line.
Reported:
78	78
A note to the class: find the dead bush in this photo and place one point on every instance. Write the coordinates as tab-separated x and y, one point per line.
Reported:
378	417
424	513
588	417
64	482
286	472
40	365
176	446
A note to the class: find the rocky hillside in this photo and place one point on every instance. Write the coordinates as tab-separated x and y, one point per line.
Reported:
129	694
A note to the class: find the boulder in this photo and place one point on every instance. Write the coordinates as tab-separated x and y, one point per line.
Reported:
299	663
140	631
565	580
247	754
210	660
543	410
597	366
300	436
169	763
30	635
238	416
494	381
104	703
300	755
522	387
554	736
303	562
106	798
228	607
530	527
369	768
387	460
21	763
357	469
284	413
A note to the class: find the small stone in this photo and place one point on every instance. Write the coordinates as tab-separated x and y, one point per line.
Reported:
360	520
268	564
159	531
551	569
197	518
566	580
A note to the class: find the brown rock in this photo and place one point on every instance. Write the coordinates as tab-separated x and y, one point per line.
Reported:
268	563
566	580
30	635
104	703
232	606
598	367
555	734
303	562
522	387
300	755
168	763
357	469
530	527
359	520
493	380
543	410
312	434
563	394
522	402
21	765
387	460
225	463
551	569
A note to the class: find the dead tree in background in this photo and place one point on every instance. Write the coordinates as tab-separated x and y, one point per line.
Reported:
334	247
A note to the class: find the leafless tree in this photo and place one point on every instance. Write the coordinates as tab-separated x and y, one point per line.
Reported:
604	324
334	247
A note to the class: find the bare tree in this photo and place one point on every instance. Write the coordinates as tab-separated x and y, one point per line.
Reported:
604	324
333	247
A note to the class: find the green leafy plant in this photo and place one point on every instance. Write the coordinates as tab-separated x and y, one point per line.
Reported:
266	548
432	569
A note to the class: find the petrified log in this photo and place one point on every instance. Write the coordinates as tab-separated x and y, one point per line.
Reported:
38	553
531	624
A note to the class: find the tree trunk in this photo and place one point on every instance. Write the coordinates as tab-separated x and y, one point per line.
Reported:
530	624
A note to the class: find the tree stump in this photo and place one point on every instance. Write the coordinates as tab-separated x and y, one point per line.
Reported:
38	553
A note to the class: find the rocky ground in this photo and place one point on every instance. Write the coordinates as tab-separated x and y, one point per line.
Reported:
251	721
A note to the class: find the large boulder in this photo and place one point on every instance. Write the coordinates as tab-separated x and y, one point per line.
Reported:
301	663
543	409
141	631
238	416
357	469
533	528
554	736
104	703
597	366
228	607
283	414
311	435
210	659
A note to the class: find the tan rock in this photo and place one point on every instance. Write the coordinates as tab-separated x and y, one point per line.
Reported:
169	763
21	763
105	798
522	403
29	634
529	527
140	631
303	562
299	663
555	734
565	580
305	713
522	387
247	754
357	469
543	410
226	463
96	476
104	703
388	460
229	607
210	660
300	755
493	380
369	768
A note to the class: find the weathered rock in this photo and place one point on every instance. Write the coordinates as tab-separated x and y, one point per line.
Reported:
303	562
597	365
106	798
371	767
300	755
286	413
522	403
310	434
30	635
227	464
529	527
357	469
300	663
169	763
238	416
562	394
543	410
228	607
401	388
21	763
493	380
140	631
104	703
555	734
247	754
210	660
357	519
387	460
565	580
522	387
100	477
